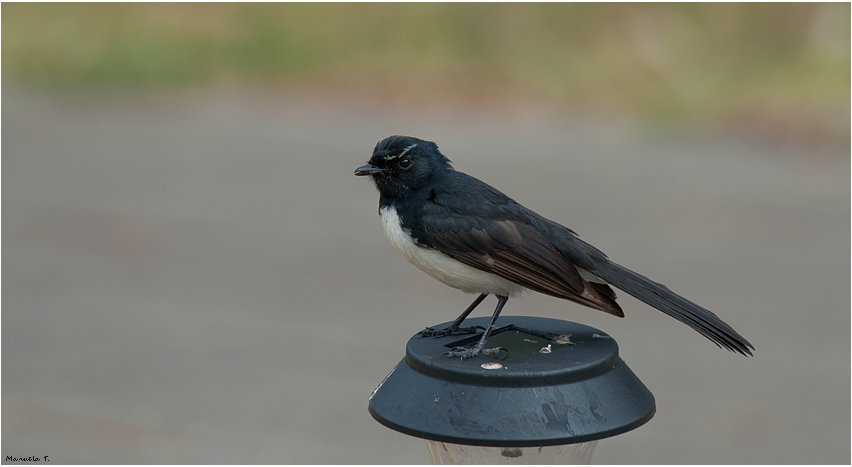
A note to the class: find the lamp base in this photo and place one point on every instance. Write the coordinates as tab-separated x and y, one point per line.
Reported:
565	454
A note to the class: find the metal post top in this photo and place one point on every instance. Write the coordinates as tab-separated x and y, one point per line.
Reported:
556	382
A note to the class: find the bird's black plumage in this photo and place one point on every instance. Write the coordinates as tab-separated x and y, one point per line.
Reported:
433	213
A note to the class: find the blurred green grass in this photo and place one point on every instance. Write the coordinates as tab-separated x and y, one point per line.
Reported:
780	67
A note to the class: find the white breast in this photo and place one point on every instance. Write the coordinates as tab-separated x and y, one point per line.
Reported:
442	267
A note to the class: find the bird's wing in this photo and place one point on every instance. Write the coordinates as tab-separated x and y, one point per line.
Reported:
513	250
523	254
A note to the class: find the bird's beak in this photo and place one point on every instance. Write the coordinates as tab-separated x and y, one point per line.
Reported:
368	169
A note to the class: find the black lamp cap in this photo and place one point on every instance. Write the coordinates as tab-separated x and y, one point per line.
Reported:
559	383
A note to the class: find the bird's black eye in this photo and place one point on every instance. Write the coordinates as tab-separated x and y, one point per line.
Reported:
405	163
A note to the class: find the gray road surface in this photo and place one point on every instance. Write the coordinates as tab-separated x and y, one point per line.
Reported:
200	278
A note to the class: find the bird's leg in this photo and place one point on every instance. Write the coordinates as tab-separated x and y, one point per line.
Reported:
454	328
478	348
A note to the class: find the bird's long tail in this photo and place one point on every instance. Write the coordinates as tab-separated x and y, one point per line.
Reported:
672	304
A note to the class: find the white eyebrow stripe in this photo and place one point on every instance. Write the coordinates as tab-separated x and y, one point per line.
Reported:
404	152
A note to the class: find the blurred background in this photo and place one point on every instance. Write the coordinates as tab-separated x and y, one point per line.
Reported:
192	273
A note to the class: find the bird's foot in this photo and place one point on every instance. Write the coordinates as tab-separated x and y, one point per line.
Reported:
463	352
448	331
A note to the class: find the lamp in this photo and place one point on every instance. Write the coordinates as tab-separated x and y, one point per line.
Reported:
556	389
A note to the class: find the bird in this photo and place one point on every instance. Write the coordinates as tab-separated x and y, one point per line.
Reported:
472	237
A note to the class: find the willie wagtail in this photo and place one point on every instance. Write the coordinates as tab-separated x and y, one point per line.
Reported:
470	236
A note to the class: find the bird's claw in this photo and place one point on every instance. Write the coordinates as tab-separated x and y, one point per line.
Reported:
463	353
448	331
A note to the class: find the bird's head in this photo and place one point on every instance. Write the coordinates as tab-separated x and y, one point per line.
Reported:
402	164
